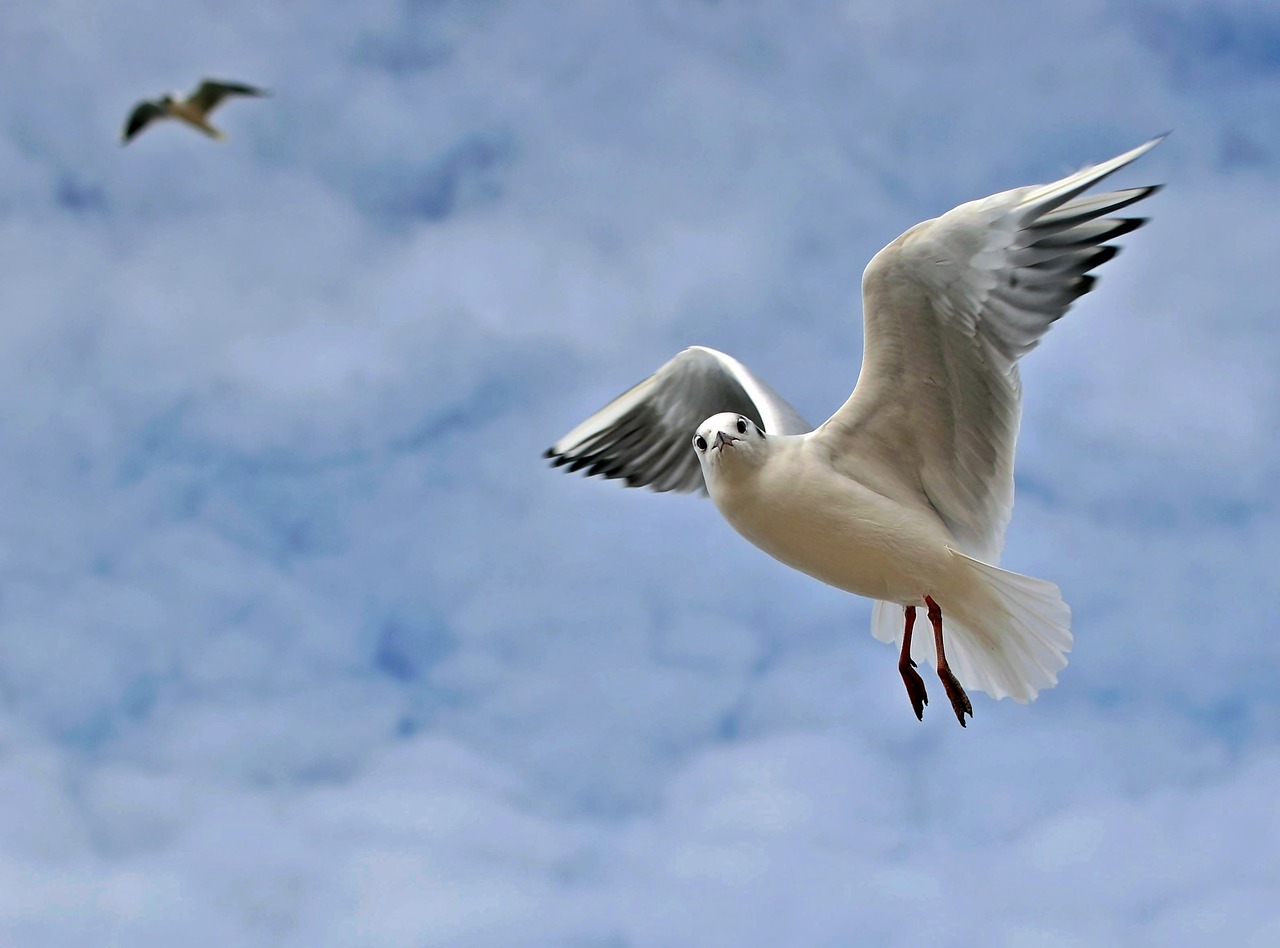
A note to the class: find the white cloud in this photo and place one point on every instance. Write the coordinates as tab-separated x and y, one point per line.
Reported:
303	644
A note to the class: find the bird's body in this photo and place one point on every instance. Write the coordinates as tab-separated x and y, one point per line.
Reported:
904	494
193	109
195	117
869	535
801	510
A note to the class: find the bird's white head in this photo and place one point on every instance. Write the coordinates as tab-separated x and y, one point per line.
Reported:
728	444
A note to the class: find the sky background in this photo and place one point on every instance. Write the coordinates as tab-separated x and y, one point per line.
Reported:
302	643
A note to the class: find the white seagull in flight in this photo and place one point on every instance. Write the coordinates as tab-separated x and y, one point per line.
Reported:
194	109
902	495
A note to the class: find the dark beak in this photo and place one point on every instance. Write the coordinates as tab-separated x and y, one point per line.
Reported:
723	439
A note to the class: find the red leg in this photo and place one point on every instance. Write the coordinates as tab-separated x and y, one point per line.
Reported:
959	700
907	668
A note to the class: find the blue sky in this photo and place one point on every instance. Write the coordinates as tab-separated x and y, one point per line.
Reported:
302	644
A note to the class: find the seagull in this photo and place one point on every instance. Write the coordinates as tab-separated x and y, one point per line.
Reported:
193	110
904	494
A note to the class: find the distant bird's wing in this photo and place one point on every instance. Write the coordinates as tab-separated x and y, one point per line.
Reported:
143	114
645	434
212	91
948	309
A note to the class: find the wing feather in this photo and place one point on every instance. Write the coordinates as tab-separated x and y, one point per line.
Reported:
211	92
143	114
949	309
643	436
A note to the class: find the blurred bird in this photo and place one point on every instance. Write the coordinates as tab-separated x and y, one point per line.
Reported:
903	495
194	109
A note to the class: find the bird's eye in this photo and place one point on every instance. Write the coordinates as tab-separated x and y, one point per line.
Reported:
700	443
742	426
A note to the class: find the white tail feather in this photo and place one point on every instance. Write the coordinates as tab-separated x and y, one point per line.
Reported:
1010	642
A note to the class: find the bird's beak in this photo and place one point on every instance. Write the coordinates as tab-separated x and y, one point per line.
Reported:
722	439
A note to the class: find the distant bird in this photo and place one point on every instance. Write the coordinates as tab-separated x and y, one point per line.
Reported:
903	495
194	109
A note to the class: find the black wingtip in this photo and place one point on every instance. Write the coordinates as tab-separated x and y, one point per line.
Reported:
557	459
1100	256
1124	225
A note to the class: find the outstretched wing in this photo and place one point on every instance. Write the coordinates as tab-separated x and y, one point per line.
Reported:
643	435
212	91
143	114
949	307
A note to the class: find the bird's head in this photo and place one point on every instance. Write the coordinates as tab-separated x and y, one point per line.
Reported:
727	444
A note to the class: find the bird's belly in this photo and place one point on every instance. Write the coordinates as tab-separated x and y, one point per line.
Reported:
844	535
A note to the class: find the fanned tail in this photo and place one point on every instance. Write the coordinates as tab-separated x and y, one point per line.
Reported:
1009	641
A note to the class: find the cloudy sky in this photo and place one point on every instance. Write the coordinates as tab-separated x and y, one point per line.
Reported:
302	644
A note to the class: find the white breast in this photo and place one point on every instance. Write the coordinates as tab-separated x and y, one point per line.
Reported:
799	510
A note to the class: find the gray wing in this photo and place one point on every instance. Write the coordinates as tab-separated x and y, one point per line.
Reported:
644	435
212	91
143	114
949	308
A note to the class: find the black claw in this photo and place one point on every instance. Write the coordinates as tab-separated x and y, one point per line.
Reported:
915	689
959	700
